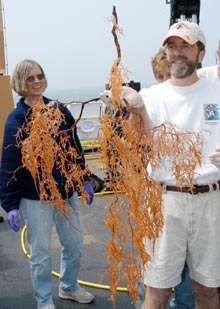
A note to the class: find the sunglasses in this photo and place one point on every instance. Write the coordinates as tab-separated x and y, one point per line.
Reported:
31	78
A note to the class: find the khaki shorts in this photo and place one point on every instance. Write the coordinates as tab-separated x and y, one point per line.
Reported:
191	232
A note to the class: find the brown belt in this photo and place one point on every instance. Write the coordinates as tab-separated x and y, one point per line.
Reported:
195	189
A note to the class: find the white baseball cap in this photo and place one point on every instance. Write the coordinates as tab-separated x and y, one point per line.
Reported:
188	31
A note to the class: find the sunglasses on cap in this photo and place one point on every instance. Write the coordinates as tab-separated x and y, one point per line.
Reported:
31	78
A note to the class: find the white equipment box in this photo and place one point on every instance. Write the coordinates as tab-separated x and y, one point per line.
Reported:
89	124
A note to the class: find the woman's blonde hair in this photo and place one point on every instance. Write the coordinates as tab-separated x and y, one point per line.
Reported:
20	74
159	61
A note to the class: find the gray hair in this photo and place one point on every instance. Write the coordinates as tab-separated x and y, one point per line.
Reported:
20	74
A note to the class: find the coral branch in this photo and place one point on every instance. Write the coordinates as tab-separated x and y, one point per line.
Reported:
45	149
135	214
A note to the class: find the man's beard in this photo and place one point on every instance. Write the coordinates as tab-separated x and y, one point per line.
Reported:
182	71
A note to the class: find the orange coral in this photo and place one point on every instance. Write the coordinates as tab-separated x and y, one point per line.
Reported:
136	213
41	153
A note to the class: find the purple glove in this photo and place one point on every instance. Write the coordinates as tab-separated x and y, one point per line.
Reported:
12	218
89	190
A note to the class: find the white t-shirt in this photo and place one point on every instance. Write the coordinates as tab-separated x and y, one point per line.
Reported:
194	108
209	72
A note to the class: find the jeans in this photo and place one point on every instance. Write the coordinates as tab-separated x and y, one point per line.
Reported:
140	299
183	294
39	218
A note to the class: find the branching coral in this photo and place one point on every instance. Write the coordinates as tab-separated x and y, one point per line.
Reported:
45	148
136	213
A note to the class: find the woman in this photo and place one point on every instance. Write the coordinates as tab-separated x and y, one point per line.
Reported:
20	193
160	66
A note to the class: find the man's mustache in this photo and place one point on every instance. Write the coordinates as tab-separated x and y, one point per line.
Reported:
177	58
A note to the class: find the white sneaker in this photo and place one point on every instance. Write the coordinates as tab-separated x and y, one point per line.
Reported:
51	306
80	296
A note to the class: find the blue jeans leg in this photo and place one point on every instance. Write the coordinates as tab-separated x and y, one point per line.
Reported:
140	299
184	297
39	219
70	234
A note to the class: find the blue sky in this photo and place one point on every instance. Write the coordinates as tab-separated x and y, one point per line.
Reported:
72	39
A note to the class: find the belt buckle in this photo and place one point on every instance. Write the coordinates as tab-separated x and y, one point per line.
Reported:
194	190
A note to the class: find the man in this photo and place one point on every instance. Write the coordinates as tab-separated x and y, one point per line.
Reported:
212	72
183	295
191	221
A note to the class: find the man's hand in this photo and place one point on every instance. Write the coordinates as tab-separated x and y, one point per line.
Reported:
106	96
132	98
129	97
215	156
134	103
12	218
89	191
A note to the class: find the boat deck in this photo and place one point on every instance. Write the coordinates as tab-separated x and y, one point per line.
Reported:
15	283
